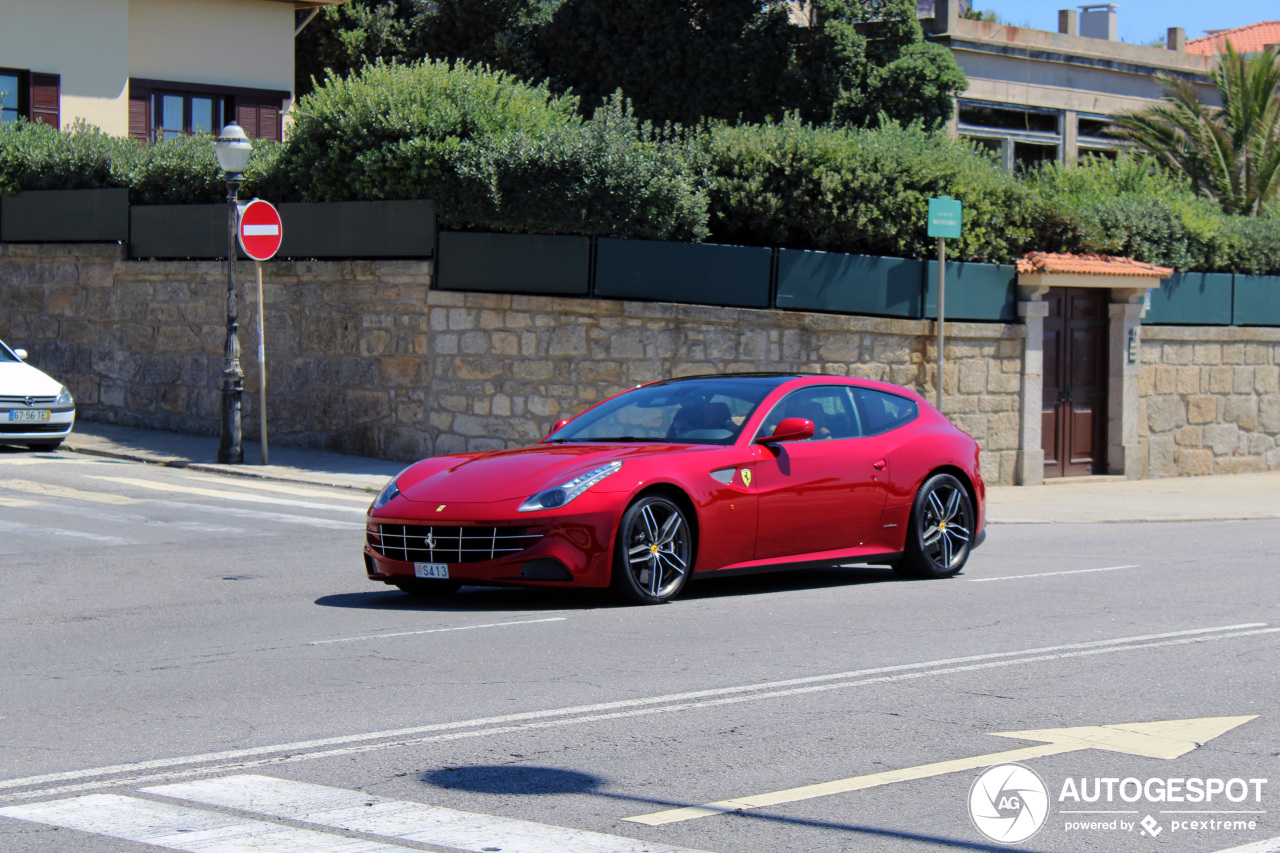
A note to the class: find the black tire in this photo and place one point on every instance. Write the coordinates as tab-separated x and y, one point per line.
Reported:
424	588
940	532
653	552
42	446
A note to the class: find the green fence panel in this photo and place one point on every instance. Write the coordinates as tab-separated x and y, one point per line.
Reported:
178	231
979	292
848	284
1257	300
358	229
514	263
65	216
699	273
1191	299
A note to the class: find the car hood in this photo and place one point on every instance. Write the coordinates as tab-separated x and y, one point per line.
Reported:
520	473
18	379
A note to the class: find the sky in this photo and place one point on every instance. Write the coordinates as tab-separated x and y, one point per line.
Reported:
1142	21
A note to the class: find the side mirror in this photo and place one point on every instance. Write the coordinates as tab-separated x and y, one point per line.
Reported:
21	354
791	429
558	425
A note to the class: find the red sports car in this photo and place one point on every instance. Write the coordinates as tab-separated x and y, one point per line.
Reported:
707	476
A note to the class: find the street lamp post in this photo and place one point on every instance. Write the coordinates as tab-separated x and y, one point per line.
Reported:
233	149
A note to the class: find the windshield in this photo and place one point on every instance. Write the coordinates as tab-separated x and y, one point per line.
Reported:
695	411
6	354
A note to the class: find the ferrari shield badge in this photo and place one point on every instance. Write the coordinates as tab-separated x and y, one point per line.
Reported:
746	476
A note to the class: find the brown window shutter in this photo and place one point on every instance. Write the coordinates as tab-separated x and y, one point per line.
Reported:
247	118
269	122
45	98
140	114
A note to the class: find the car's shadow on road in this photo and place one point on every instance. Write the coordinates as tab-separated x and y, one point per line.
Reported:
488	598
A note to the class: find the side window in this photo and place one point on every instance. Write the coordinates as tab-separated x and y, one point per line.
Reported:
828	406
881	411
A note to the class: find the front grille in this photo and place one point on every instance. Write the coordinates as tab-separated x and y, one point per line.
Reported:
7	428
412	543
35	401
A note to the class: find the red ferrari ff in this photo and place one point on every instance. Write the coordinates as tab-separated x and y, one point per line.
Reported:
706	476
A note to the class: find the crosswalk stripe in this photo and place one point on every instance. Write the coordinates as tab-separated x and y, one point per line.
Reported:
354	811
246	497
182	828
18	503
44	532
68	493
285	488
261	515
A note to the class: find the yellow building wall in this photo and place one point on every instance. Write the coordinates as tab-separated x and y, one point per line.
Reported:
86	43
222	42
95	46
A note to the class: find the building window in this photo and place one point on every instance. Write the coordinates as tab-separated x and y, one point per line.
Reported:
30	95
162	110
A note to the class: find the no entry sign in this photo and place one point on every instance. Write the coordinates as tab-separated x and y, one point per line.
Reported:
260	230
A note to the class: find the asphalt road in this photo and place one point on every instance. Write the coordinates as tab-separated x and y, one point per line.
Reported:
196	662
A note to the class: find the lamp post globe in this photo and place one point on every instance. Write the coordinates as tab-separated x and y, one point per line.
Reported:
233	149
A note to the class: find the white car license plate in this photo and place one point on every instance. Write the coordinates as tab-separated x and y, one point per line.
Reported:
29	415
431	570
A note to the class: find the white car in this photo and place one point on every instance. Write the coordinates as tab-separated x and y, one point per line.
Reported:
35	409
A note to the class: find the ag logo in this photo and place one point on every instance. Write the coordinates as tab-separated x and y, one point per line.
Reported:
1008	803
746	476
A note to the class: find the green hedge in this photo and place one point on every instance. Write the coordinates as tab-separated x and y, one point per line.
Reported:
500	155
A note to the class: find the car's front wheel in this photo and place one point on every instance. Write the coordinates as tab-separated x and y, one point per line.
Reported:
653	555
940	532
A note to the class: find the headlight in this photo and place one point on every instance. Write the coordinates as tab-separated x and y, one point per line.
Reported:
64	397
389	491
560	495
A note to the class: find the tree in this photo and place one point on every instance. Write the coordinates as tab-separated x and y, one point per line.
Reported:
1230	153
346	38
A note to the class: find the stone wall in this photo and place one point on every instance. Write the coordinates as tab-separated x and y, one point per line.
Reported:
363	357
1210	399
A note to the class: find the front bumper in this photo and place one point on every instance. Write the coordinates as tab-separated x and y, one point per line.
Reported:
565	548
58	426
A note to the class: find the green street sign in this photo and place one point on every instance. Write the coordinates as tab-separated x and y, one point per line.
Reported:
944	217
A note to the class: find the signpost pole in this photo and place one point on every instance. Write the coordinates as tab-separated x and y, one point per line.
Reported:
262	368
942	311
945	216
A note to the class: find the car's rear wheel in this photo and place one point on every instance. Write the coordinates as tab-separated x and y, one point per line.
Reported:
424	588
940	532
53	444
653	555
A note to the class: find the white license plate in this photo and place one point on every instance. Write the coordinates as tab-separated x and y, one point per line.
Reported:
29	415
431	570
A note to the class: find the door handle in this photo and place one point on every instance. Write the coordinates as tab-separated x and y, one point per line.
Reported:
879	465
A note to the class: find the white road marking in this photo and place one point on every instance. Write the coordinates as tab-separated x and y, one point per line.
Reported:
262	515
435	631
285	488
1050	574
133	518
353	811
43	531
1271	845
181	828
487	726
245	497
67	493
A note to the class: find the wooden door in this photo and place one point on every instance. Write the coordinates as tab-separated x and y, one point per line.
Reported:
1074	420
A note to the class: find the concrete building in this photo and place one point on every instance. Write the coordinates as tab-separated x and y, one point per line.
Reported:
1035	95
150	68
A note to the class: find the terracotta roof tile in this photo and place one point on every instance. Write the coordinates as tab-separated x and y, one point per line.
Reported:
1250	39
1047	263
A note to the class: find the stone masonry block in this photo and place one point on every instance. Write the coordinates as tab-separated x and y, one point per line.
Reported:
1193	463
1202	409
1221	380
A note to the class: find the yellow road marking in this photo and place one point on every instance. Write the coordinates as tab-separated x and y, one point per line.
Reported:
52	491
17	502
1166	739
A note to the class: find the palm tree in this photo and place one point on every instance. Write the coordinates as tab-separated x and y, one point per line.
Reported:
1231	153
